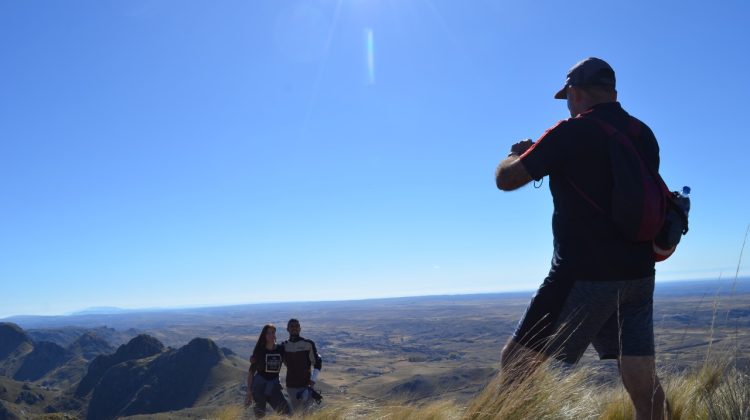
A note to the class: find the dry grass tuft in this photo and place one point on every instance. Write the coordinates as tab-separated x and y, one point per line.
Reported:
715	391
443	410
233	412
546	394
615	404
731	399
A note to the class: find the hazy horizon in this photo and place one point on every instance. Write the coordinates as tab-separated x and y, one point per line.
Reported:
741	284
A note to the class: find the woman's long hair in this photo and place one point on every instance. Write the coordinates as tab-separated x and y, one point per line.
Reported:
261	343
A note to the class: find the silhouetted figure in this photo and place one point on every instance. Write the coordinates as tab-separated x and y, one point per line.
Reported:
600	287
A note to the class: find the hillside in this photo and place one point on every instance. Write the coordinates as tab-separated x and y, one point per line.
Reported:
44	358
90	345
53	363
12	338
66	336
139	347
14	345
141	376
172	380
19	399
388	352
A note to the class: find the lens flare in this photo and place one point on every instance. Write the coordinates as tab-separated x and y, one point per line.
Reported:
370	49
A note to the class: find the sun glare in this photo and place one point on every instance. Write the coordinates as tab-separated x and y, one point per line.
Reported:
370	50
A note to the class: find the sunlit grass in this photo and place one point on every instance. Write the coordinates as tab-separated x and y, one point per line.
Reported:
716	390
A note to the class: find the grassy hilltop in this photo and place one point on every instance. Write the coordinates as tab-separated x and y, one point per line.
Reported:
716	390
702	354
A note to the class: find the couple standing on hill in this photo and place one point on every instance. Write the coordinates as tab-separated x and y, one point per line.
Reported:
303	364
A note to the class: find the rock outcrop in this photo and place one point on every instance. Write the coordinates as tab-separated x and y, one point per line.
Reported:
89	346
171	381
11	338
138	348
43	359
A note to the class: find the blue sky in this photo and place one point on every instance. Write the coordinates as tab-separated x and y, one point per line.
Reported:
180	153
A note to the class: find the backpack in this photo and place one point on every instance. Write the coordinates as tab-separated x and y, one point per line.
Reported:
641	201
675	226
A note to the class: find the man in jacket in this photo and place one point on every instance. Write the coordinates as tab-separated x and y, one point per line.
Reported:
303	364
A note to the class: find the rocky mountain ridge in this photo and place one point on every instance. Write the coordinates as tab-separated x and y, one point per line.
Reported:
141	376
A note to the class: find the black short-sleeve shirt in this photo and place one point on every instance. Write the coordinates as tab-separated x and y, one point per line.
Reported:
268	362
574	154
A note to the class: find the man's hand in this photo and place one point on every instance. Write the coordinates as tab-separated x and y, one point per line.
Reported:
249	398
311	383
519	148
510	173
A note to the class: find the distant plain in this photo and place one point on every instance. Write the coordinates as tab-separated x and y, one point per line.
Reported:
414	349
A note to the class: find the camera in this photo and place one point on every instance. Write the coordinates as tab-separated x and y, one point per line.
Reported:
315	395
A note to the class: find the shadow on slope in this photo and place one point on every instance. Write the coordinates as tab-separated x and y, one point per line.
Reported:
43	359
169	381
138	348
11	338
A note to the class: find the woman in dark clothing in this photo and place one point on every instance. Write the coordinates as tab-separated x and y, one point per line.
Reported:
263	384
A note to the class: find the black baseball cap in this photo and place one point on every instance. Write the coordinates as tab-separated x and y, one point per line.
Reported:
589	72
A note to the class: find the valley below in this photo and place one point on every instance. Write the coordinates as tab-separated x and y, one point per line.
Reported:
188	363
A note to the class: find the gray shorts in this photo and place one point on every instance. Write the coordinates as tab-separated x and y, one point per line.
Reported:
615	316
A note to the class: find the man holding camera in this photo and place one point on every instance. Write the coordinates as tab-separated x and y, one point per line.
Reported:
303	364
600	286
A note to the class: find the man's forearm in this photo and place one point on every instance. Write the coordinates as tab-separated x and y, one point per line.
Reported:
510	173
505	163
